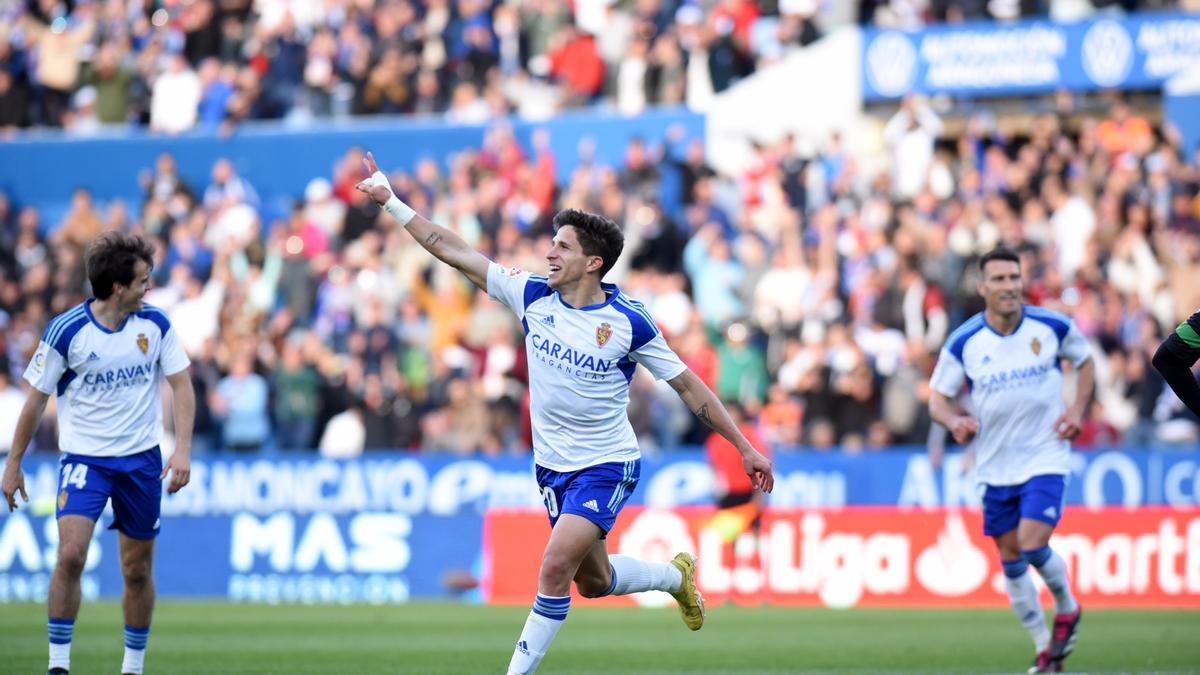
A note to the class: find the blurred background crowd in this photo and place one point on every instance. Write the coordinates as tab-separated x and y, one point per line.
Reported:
815	288
178	65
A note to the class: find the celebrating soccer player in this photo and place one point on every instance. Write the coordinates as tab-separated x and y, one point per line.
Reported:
584	339
104	359
1009	358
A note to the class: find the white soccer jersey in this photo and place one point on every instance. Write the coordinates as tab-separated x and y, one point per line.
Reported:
107	382
1015	384
581	361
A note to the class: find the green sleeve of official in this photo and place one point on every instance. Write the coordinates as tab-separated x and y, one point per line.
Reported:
1188	333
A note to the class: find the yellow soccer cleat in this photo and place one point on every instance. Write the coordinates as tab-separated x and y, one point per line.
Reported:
691	603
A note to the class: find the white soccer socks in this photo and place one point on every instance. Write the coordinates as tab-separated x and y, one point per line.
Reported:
543	623
1024	598
631	575
1054	572
135	649
60	632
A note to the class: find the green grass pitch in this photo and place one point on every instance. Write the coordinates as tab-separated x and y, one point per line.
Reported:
451	638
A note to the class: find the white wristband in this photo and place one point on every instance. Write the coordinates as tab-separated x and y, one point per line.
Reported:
378	178
399	210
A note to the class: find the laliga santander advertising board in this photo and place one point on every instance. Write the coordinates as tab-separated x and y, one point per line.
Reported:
871	556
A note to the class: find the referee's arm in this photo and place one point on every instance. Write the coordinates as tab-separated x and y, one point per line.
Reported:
1175	358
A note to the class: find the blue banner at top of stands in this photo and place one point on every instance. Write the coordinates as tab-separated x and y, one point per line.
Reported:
1138	51
42	168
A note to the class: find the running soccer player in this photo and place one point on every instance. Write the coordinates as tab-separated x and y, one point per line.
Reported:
103	359
1175	358
1009	358
584	339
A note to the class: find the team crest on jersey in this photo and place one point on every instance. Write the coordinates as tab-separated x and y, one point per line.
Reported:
1036	347
603	332
143	342
62	500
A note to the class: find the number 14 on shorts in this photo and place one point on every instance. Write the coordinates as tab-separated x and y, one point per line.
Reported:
74	474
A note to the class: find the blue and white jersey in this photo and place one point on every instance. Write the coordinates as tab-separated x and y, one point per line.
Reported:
1015	385
581	361
107	382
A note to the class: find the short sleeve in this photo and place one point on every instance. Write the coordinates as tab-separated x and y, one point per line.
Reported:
662	362
1074	346
46	369
1185	341
171	357
948	375
515	287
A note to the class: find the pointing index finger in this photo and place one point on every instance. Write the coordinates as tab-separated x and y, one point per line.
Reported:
372	167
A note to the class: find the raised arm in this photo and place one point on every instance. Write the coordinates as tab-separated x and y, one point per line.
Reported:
704	403
443	243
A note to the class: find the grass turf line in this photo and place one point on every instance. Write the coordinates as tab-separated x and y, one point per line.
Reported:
451	638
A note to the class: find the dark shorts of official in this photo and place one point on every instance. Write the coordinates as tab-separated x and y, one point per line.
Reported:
1039	498
595	492
132	482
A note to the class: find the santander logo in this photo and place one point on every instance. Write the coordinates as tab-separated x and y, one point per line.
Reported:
953	566
885	557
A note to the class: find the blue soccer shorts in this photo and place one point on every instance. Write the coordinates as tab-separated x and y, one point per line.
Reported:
132	482
595	492
1039	498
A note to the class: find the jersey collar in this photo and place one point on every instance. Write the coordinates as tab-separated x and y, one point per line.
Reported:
87	307
610	290
1015	328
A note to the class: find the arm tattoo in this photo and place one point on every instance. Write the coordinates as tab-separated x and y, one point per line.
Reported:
702	413
433	239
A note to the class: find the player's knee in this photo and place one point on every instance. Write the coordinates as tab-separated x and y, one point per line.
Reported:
556	570
72	558
136	573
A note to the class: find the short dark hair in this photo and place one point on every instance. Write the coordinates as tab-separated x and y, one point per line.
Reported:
999	253
111	259
598	235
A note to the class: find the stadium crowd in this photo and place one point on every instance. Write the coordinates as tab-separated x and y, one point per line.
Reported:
175	66
811	291
918	13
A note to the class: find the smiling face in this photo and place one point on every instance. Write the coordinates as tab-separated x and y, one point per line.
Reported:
129	298
568	263
1002	287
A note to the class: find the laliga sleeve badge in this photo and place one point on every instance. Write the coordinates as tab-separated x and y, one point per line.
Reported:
603	332
143	342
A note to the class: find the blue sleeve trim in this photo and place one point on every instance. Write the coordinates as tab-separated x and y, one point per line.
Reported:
56	325
1061	324
640	322
62	339
535	288
151	313
958	339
